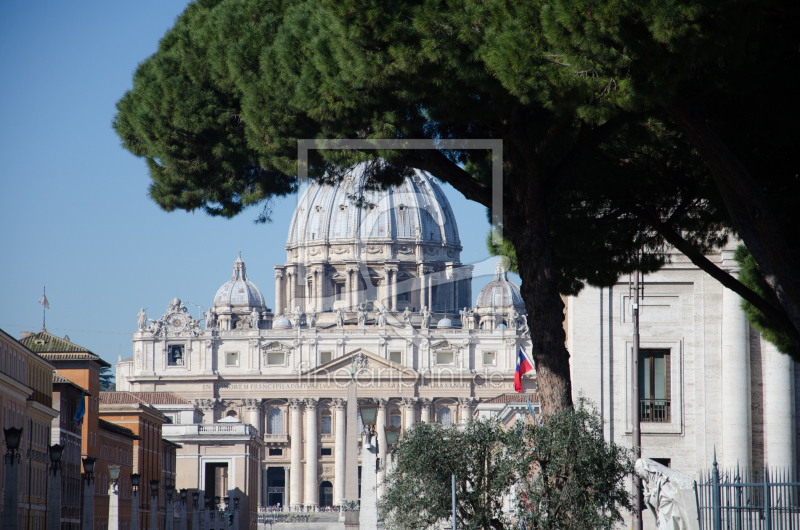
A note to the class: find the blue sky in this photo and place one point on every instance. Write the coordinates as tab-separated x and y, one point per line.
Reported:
74	211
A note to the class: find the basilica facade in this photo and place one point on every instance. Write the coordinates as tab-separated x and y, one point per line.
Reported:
371	280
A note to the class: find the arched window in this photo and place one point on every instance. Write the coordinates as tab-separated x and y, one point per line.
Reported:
396	418
276	421
445	417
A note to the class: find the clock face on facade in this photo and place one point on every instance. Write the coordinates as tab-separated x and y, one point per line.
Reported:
177	322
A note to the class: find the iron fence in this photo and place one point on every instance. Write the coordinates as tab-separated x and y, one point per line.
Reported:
746	500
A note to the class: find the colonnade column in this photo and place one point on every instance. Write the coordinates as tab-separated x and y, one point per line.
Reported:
779	403
279	294
296	489
339	450
253	406
292	279
311	491
429	273
381	423
319	278
422	295
410	405
393	289
287	498
348	287
425	411
735	380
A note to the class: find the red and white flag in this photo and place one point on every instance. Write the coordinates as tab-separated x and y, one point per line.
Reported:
523	367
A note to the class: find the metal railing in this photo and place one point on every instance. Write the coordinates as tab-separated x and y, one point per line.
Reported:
655	410
745	500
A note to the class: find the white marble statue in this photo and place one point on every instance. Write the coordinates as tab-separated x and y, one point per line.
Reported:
339	318
362	316
407	318
426	317
210	319
141	319
380	321
254	319
669	494
464	321
312	318
297	315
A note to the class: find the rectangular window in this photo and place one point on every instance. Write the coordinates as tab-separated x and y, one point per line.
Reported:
489	358
275	452
339	288
232	358
175	354
275	358
654	386
396	357
444	358
326	451
326	425
325	357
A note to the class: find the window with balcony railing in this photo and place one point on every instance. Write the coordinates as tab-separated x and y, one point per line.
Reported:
654	386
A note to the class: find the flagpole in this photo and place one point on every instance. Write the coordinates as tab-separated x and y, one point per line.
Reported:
44	307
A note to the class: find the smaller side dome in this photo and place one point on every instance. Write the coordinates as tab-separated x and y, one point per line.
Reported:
239	292
501	292
282	323
445	323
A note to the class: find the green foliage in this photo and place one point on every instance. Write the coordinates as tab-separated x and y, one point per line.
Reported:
563	474
751	276
107	383
485	459
576	478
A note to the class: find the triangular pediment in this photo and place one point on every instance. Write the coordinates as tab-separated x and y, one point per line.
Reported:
376	367
275	346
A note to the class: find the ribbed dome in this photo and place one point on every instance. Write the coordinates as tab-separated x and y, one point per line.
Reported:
501	292
282	323
445	323
239	292
416	210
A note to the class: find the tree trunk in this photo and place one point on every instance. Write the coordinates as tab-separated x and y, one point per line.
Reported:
528	227
749	211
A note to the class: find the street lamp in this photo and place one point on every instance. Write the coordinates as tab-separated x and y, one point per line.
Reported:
369	415
56	452
135	480
113	498
54	494
169	514
392	435
170	491
183	492
154	504
236	502
87	521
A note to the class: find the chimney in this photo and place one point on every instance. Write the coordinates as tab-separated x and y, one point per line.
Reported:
25	334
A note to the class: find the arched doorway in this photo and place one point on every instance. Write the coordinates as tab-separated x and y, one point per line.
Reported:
325	494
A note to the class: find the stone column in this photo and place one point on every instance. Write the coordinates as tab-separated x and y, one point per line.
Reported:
253	406
279	293
54	500
296	492
287	475
380	420
429	273
195	514
410	405
153	511
422	293
339	450
425	411
87	517
368	517
113	506
135	510
348	287
736	406
393	288
312	457
779	407
465	408
319	281
292	290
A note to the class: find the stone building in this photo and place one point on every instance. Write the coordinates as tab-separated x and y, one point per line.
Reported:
66	398
372	284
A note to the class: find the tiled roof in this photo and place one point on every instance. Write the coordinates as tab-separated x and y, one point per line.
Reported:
54	348
60	379
173	444
512	398
143	398
119	429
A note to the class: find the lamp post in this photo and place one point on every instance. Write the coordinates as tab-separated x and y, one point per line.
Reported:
236	512
135	478
195	506
183	523
54	493
212	512
368	519
169	519
154	504
113	498
87	521
11	497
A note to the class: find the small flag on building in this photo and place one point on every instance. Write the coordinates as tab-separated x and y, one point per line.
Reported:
81	412
523	367
43	300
